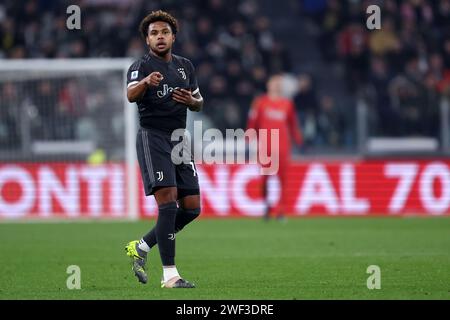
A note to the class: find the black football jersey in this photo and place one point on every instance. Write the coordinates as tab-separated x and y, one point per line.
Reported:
157	109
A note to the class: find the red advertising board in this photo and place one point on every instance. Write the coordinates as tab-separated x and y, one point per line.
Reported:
382	187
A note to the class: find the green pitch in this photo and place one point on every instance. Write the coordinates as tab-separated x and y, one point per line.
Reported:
310	258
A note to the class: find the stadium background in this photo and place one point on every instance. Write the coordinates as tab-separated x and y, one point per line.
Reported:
359	94
373	106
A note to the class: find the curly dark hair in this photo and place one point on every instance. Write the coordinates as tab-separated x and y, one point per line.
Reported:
158	16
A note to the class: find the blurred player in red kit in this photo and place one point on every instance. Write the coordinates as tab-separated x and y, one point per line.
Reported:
273	111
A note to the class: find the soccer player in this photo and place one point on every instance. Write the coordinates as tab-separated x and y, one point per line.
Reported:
272	111
164	86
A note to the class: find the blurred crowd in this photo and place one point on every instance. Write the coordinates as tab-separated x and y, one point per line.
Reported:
402	70
76	108
229	42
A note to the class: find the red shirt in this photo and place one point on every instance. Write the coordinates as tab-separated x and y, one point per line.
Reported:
267	113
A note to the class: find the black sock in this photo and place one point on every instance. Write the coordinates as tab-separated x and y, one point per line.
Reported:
165	233
184	217
150	238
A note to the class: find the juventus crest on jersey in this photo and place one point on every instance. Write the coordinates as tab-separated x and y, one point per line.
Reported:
157	109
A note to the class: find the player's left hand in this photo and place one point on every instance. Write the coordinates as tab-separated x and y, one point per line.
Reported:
183	96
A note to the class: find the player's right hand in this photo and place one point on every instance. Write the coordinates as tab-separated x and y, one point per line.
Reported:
153	79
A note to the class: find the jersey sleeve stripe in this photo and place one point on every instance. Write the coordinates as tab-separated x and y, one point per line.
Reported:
136	65
132	83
